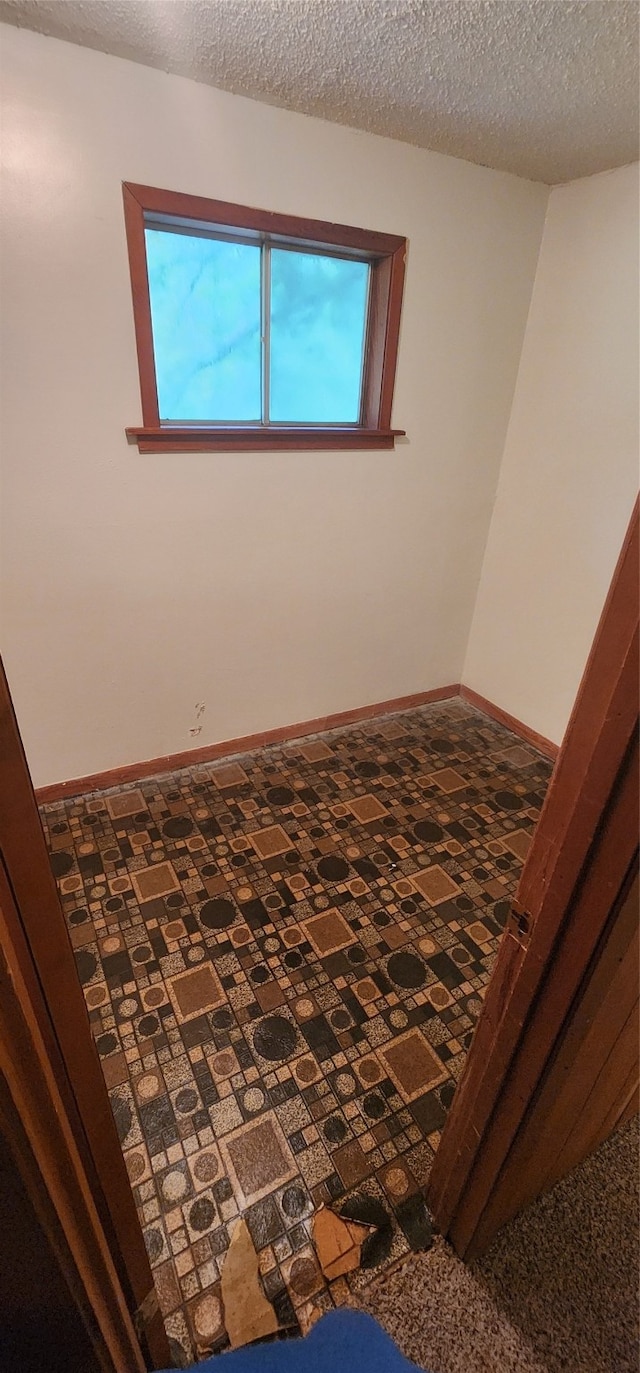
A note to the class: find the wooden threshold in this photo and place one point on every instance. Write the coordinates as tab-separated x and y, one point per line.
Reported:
171	762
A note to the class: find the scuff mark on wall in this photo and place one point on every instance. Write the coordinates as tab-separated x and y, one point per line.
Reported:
197	728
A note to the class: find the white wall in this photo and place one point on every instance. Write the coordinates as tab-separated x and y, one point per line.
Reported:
570	470
278	587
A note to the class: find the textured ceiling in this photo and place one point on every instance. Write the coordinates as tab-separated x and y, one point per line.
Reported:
544	88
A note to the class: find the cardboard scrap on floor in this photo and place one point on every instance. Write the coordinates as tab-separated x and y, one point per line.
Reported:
338	1243
247	1313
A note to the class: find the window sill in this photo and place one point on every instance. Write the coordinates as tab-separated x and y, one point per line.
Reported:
172	439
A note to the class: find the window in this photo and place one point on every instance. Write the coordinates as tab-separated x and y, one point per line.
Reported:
260	331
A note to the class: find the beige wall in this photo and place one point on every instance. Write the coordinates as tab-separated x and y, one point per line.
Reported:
570	468
273	588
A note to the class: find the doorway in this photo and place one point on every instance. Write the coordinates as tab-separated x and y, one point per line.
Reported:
283	958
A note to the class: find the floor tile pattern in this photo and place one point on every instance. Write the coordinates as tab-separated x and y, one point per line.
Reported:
283	959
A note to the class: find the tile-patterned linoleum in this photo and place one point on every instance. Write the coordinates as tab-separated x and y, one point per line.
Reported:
283	957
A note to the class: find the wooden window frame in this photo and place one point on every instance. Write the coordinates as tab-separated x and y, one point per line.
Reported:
386	254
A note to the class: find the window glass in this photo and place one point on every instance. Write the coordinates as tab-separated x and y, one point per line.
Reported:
318	317
205	315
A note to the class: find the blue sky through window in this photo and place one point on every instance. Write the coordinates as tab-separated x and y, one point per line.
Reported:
205	314
318	314
206	318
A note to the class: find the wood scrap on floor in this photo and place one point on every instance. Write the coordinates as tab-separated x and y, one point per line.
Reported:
248	1315
338	1243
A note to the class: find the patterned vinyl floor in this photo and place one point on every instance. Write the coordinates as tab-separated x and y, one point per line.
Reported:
283	958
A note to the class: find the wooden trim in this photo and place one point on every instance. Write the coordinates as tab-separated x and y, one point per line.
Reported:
270	439
17	1148
482	1210
524	732
628	1102
134	225
589	1042
375	344
64	1023
386	253
383	339
171	762
133	772
392	334
546	949
27	1070
223	213
603	723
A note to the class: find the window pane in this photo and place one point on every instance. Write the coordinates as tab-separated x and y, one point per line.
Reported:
318	316
205	314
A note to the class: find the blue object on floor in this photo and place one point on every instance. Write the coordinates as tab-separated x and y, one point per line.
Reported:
341	1342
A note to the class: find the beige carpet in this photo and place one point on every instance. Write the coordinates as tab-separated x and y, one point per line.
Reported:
557	1292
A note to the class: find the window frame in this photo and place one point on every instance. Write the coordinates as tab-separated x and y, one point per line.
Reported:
386	254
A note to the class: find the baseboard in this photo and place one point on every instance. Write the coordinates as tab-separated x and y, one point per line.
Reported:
135	772
529	736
